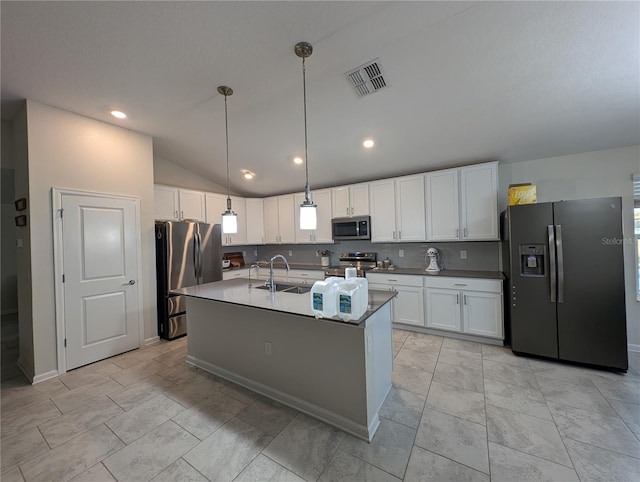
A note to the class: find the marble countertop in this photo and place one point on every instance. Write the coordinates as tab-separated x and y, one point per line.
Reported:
453	273
237	291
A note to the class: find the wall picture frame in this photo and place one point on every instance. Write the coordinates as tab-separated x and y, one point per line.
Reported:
21	204
21	220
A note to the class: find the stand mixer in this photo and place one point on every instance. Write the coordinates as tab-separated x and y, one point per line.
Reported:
432	254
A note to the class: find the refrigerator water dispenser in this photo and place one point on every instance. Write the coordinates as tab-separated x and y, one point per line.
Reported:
532	259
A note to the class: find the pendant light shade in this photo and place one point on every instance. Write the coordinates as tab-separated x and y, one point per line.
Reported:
229	218
308	216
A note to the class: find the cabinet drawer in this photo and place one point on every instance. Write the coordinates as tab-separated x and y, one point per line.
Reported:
395	279
236	273
467	284
312	274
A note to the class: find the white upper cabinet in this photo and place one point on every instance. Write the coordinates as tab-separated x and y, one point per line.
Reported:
255	220
479	214
286	221
192	205
410	210
271	230
397	209
383	210
175	204
279	220
166	203
350	200
462	203
322	233
443	210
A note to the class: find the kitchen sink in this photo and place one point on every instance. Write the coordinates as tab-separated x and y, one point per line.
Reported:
287	288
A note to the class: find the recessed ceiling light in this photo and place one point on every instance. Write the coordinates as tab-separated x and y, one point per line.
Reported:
118	115
297	160
368	143
248	175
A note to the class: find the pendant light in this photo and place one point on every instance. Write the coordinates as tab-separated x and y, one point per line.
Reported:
229	218
308	216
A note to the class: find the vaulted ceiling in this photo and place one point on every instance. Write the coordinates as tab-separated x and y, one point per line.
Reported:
468	81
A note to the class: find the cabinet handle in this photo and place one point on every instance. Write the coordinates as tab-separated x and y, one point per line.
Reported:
176	215
459	284
181	214
464	299
347	210
457	233
351	210
457	299
389	279
399	234
394	235
464	233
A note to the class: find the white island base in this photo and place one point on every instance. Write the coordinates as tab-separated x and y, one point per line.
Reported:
337	372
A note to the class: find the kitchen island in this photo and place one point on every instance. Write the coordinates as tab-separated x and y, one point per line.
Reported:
338	372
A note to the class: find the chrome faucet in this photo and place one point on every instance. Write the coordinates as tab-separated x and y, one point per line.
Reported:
271	283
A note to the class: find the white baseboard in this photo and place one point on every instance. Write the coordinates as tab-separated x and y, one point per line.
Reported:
151	341
33	379
633	348
45	376
357	430
8	312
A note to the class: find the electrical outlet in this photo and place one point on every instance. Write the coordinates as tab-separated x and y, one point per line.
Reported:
290	253
463	254
267	348
401	253
255	252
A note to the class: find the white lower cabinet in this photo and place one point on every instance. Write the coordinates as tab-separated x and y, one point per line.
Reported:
465	305
443	309
408	305
236	273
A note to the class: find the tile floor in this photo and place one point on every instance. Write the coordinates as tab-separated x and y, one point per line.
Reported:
457	411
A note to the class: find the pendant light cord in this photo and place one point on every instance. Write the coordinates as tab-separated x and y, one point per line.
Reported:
226	128
307	191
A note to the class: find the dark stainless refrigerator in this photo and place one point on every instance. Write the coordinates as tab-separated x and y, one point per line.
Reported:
187	254
565	269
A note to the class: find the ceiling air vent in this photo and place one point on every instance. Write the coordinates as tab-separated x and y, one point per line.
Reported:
367	78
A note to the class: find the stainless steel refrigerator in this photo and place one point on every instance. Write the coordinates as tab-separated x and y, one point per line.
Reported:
565	269
187	254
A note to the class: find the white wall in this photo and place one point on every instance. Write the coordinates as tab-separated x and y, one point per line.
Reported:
170	174
66	150
583	176
23	255
8	286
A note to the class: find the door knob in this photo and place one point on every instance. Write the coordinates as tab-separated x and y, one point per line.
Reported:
131	282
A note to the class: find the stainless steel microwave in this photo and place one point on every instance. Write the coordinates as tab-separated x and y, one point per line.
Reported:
358	227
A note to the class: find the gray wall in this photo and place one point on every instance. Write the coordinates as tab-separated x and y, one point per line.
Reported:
583	176
66	150
170	174
8	286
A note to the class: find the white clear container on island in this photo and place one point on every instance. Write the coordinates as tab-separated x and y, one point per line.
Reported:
353	298
324	297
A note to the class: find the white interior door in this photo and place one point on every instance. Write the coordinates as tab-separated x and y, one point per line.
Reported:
100	265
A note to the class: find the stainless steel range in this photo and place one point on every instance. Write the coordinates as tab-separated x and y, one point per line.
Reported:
360	260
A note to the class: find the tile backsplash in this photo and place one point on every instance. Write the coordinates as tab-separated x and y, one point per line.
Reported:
481	255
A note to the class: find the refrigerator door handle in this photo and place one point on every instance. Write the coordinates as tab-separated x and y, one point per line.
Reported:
552	261
560	264
196	256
